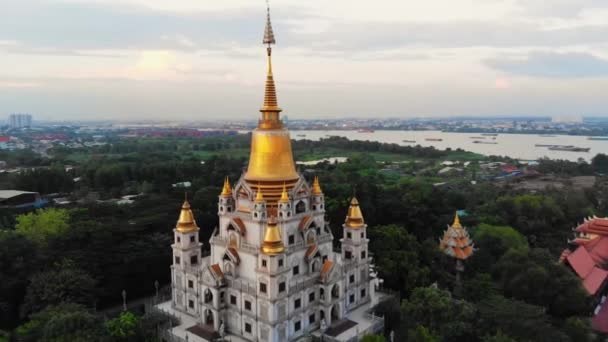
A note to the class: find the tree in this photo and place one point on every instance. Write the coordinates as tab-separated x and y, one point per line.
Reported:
63	283
373	338
498	337
523	321
18	258
578	329
63	323
43	224
421	334
123	326
600	163
397	257
535	277
435	309
492	242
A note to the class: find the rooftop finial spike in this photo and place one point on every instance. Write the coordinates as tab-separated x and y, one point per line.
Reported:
268	34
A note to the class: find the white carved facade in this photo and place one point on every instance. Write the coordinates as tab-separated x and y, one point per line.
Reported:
262	297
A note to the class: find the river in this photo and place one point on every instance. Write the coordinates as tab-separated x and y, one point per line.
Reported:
519	146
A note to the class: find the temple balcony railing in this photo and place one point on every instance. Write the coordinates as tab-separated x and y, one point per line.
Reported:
220	241
242	285
245	246
349	264
304	244
297	286
249	247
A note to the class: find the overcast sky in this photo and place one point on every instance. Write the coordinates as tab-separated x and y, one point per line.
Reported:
203	59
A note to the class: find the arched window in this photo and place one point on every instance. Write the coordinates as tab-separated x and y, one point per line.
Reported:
310	237
300	207
233	241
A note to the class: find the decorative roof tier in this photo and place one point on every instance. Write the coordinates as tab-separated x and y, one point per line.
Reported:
593	225
227	189
456	241
186	222
316	187
354	218
271	160
273	243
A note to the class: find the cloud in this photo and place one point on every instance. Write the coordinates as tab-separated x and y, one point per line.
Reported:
558	8
75	26
553	65
18	84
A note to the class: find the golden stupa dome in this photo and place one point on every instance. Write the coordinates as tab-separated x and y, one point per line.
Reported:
186	222
273	243
354	218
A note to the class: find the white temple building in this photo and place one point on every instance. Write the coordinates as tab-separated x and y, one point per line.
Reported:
272	273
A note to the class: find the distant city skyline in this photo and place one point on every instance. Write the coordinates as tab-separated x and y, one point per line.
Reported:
203	60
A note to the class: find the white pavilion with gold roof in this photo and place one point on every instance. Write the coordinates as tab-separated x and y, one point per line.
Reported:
272	273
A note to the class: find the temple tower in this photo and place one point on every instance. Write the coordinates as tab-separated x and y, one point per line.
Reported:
186	260
272	274
457	244
354	245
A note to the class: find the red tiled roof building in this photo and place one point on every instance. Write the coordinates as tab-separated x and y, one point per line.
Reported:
588	258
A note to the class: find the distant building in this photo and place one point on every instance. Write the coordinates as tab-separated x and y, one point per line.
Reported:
20	199
588	257
20	121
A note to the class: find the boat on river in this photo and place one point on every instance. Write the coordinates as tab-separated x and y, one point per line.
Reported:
489	134
598	138
433	139
366	130
485	142
570	148
409	141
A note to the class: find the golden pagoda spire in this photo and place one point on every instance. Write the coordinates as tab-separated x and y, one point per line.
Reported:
186	222
456	223
259	196
271	159
284	196
354	218
316	187
270	110
227	189
273	243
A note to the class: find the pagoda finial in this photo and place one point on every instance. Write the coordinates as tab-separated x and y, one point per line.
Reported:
268	33
456	223
316	186
227	189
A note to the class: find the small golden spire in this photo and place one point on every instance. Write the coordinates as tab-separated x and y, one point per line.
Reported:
284	196
456	223
227	189
273	243
186	222
354	218
259	196
316	187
